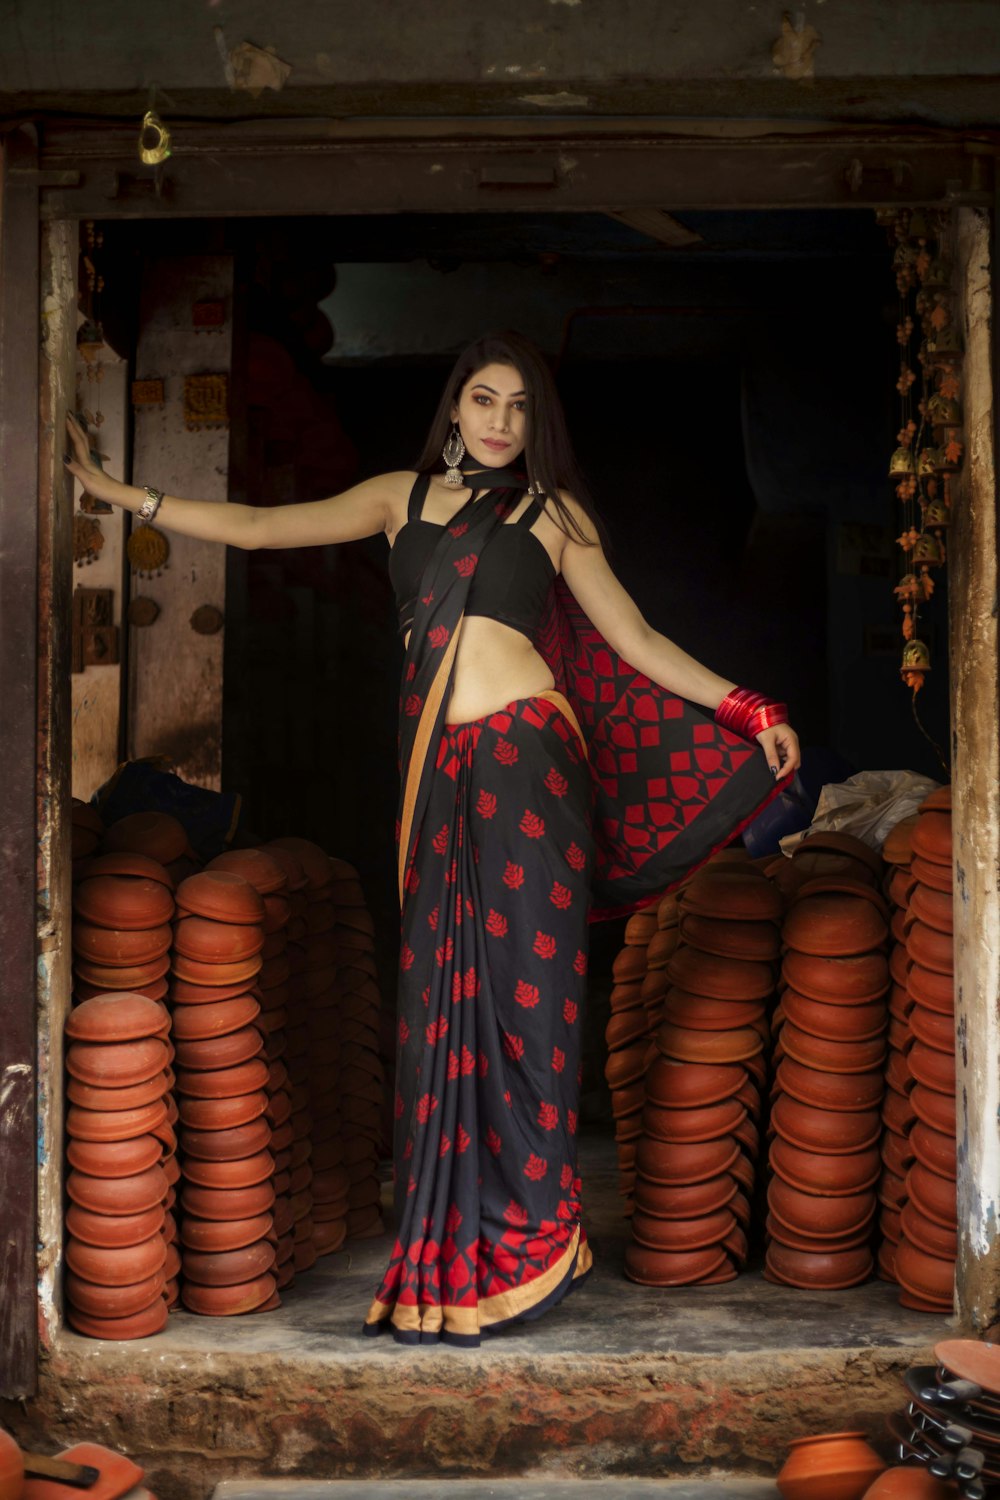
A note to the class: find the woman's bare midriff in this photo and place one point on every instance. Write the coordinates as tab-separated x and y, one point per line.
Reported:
494	666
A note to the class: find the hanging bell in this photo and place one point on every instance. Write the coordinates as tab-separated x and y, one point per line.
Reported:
944	411
938	273
929	462
928	551
936	514
916	657
902	462
942	344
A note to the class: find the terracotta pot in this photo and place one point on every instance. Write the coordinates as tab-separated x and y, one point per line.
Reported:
753	942
812	1171
215	974
116	1065
815	1216
226	1051
122	1265
228	1301
679	1085
640	927
119	948
899	965
909	1482
736	894
227	1203
690	1046
11	1468
931	837
831	1057
901	887
836	1023
229	1267
261	868
834	924
243	1172
629	966
109	1233
897	849
222	1114
123	902
666	1268
900	1003
678	1164
156	834
932	1028
790	1239
107	978
103	1301
833	1132
125	1158
680	1235
228	1145
626	1067
934	1109
938	877
927	1276
141	1325
832	1466
216	1019
624	1101
694	1125
720	978
114	1125
850	981
934	908
897	1153
217	1236
932	990
124	863
214	942
662	946
846	844
625	1028
691	1201
182	992
115	1017
935	1070
927	1235
699	1013
118	1196
930	949
897	1073
223	1083
932	1194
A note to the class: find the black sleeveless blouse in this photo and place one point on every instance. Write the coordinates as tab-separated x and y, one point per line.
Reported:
513	577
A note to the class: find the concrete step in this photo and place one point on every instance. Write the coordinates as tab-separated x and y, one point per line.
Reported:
712	1487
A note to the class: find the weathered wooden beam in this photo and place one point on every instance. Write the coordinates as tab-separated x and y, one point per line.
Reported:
235	171
975	718
19	301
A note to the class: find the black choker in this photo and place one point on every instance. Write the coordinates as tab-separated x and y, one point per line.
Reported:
482	478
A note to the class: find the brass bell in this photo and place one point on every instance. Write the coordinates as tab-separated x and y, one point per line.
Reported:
928	550
944	411
937	513
916	657
938	273
902	462
929	462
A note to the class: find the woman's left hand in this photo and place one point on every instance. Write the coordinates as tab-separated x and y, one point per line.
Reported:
781	746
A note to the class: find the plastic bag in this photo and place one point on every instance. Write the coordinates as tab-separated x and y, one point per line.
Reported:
867	805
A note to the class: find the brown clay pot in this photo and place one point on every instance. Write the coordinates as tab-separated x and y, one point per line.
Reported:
156	834
936	877
720	978
217	1236
930	949
932	1194
679	1085
226	1051
104	1301
222	1114
691	1201
899	965
834	924
854	980
116	1065
901	888
640	927
227	1203
698	1124
934	1109
926	1275
792	1240
827	1269
115	1017
261	867
835	1023
909	1482
122	1265
934	908
681	1235
626	1067
927	1235
831	1466
679	1163
229	1267
813	1171
195	971
831	1057
667	1268
216	1019
118	1158
217	942
897	1153
935	1070
624	1028
629	966
898	846
114	1125
817	1216
753	942
933	990
134	978
897	1073
738	894
122	902
932	1028
931	837
118	1196
244	1172
223	1083
140	1325
228	1145
110	1233
123	862
228	1301
662	946
700	1013
112	947
690	1046
833	1132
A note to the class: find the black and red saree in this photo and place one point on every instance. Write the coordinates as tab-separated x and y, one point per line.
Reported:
588	800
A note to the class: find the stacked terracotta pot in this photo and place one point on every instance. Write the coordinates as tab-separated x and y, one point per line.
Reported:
227	1193
925	1254
696	1156
357	1003
119	1262
271	873
627	1038
825	1123
87	832
159	836
897	1111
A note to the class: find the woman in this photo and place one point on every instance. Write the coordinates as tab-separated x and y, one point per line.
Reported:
522	813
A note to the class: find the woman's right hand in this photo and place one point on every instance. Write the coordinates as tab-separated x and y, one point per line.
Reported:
83	467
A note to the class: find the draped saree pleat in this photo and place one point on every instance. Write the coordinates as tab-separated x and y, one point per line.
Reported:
498	865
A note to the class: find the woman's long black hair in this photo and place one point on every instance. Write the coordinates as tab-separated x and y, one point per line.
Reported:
548	453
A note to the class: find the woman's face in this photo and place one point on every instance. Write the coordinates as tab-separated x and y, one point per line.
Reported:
491	414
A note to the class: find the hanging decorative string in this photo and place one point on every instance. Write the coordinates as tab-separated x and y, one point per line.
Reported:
929	440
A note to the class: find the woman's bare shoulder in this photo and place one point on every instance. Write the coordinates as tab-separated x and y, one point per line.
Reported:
582	531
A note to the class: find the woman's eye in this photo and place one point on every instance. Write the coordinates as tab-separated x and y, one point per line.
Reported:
482	400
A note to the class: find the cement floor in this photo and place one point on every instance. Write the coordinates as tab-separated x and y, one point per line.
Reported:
321	1316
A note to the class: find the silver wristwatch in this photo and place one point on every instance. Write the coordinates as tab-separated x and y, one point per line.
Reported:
147	510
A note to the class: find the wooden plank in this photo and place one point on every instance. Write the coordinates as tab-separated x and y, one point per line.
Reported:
975	718
19	303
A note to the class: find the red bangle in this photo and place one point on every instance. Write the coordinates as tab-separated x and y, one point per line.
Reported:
747	713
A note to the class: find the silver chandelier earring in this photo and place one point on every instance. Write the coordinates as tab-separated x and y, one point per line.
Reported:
453	452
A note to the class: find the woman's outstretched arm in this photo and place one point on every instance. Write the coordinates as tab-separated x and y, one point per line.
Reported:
622	624
363	510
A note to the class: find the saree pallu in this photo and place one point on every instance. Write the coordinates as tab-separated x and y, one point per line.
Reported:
492	984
